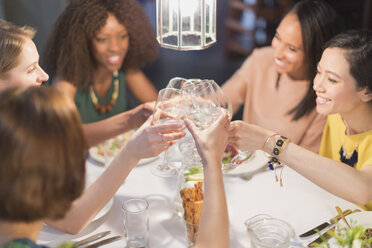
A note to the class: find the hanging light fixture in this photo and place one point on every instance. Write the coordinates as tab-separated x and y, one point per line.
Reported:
186	24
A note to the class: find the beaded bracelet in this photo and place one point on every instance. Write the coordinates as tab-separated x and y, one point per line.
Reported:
274	162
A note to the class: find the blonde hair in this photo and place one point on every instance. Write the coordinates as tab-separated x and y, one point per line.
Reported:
12	38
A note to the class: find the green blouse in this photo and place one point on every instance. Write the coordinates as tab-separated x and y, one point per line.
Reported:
86	108
27	243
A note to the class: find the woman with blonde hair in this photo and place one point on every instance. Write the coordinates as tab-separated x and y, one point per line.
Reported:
43	168
148	141
53	116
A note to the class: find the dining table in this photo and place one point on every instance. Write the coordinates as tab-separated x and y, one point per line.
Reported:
298	201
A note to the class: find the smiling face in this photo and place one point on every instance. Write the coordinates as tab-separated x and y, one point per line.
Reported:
289	54
334	85
27	72
110	44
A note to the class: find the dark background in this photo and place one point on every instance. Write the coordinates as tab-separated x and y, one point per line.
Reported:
218	62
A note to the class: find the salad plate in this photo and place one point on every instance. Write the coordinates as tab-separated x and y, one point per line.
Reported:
111	147
257	162
363	218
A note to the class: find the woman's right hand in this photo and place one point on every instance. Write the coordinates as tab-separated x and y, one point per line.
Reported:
149	141
140	114
211	142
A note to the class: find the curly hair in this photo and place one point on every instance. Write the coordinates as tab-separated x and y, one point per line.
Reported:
68	51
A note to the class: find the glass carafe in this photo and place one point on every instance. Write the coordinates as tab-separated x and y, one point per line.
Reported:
191	171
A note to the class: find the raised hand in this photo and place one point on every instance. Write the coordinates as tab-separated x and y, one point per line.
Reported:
149	141
211	142
140	114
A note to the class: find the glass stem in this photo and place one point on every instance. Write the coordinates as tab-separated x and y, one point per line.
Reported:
165	161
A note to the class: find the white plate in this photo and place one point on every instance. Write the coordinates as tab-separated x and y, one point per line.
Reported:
360	218
259	161
93	152
104	210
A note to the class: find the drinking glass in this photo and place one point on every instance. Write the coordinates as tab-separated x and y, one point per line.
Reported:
168	109
176	83
225	104
203	107
191	231
136	222
266	232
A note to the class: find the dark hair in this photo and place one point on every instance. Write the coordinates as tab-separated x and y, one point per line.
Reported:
358	47
42	147
319	23
12	38
68	50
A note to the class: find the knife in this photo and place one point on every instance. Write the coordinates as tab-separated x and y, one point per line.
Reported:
103	242
91	238
324	225
323	238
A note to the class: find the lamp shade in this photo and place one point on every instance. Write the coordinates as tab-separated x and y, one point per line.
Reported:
186	24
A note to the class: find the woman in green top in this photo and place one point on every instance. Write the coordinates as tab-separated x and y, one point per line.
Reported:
94	54
19	67
40	127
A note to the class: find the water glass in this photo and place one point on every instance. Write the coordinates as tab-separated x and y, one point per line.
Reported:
267	232
136	222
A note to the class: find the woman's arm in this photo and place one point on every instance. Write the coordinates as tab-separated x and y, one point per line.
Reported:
145	142
100	131
214	221
140	86
336	177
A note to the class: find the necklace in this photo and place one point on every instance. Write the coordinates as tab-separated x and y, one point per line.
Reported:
349	158
103	109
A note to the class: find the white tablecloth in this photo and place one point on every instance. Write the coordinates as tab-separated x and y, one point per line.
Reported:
299	202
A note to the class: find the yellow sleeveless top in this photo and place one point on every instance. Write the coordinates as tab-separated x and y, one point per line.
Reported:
333	138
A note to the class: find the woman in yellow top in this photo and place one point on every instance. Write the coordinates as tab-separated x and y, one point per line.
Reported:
343	85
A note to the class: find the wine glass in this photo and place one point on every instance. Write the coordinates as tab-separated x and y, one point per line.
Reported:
168	109
202	106
176	83
225	104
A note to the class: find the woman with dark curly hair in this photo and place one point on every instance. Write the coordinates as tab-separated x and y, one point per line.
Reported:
40	136
93	54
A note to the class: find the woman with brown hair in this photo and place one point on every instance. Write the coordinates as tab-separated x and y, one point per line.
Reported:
42	165
94	54
274	83
42	168
19	67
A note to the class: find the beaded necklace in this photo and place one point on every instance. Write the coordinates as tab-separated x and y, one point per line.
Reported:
349	158
103	109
